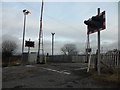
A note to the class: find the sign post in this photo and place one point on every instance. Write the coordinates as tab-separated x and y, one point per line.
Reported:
96	24
98	64
29	47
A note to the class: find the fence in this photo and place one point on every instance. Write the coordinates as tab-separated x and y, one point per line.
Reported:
111	58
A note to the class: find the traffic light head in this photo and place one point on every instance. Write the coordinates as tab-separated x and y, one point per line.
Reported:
96	23
86	22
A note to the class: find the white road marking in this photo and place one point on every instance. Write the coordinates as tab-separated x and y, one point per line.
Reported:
65	70
29	66
81	68
56	71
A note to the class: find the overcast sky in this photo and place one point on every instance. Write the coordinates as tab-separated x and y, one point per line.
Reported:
65	19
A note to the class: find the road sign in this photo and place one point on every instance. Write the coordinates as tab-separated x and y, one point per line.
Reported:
96	23
29	44
88	49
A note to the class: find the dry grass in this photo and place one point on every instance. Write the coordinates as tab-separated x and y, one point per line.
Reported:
107	77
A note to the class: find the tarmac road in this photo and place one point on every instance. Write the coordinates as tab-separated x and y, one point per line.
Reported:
52	75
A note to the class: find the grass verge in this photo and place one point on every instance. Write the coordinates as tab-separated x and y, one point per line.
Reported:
110	76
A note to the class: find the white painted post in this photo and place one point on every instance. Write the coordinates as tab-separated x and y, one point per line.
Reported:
89	63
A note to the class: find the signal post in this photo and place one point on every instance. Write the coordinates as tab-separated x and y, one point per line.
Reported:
98	62
96	24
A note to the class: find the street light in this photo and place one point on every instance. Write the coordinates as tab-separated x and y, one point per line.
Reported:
25	12
52	43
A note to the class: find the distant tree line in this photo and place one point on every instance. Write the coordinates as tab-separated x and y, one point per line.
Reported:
8	49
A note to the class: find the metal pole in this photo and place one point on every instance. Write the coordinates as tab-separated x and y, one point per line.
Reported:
87	48
52	43
40	33
26	12
29	48
98	47
28	52
23	35
89	61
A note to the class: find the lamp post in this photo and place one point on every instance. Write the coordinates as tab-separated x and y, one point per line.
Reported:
52	44
25	12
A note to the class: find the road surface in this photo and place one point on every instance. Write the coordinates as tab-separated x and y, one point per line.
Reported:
52	75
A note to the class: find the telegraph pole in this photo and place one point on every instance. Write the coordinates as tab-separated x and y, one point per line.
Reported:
98	64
